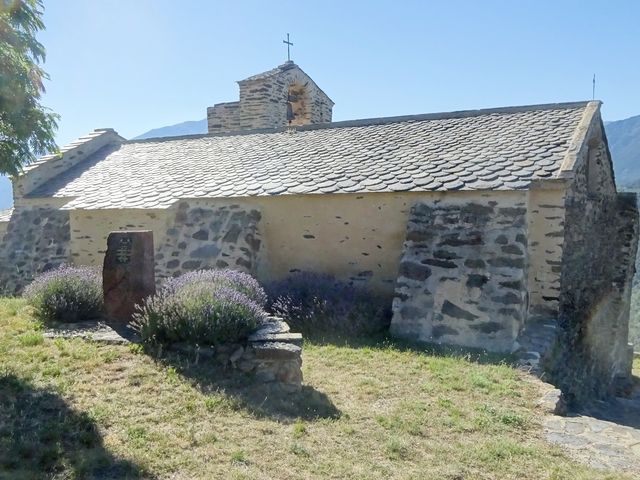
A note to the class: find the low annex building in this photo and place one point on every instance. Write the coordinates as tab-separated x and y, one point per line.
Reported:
483	228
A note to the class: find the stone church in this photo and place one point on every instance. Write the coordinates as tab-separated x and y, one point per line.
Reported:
500	228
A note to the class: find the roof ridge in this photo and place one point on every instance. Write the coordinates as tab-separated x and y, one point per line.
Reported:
286	66
50	166
376	121
268	73
69	147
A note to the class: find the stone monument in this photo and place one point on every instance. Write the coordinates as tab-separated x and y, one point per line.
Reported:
128	274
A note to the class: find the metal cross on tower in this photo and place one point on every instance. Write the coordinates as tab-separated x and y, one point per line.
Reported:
289	45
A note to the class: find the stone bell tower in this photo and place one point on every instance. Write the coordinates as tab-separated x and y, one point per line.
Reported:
278	98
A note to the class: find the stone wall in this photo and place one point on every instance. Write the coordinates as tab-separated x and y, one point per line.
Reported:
36	240
223	117
592	356
357	238
463	274
263	102
205	234
271	354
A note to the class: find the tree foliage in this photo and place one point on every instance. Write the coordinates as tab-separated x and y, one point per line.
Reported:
26	127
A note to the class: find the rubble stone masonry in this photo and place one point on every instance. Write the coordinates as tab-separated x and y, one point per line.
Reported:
204	234
265	99
37	239
463	273
592	356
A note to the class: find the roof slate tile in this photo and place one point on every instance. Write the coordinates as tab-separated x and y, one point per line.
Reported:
494	149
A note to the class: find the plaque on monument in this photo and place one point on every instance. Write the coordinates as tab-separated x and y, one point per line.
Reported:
128	273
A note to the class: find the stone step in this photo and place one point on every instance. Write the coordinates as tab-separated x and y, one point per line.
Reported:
273	325
259	336
276	351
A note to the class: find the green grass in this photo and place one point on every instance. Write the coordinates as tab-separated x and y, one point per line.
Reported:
73	409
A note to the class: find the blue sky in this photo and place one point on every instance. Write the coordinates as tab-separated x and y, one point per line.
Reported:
139	64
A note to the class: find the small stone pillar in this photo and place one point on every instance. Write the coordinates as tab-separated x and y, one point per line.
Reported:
128	274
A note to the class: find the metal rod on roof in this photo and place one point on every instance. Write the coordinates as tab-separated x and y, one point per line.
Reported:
593	92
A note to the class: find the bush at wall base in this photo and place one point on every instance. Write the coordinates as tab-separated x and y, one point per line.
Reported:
205	307
314	303
66	294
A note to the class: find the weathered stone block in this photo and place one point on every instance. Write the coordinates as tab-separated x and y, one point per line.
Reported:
128	272
276	351
294	338
273	325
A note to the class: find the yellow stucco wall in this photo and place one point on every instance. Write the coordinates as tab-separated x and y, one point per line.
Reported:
353	234
90	228
545	240
358	236
350	236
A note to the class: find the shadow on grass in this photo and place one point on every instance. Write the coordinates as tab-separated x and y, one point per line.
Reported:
42	437
383	341
259	399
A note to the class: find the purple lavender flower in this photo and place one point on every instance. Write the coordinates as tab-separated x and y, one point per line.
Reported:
319	303
66	294
242	282
205	307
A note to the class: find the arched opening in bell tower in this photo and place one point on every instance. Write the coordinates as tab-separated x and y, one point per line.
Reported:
298	108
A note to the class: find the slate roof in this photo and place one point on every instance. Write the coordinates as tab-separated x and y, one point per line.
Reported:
502	149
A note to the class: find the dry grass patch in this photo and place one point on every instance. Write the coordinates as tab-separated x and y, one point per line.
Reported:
376	410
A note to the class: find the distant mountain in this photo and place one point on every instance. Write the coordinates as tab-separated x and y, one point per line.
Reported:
624	142
184	128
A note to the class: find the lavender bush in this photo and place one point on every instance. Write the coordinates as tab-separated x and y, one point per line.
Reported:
205	307
66	294
314	303
239	281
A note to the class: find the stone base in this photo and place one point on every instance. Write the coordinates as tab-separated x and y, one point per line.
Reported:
535	344
272	354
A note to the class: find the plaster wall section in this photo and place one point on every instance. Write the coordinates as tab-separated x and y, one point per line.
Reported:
90	229
545	228
357	238
463	272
